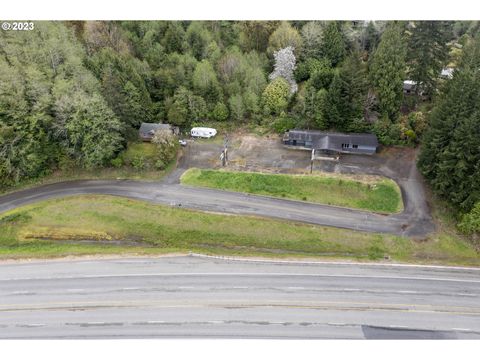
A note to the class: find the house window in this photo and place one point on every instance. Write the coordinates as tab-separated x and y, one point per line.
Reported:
355	146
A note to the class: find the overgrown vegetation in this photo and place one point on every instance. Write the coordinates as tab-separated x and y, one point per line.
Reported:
378	195
105	224
149	156
140	161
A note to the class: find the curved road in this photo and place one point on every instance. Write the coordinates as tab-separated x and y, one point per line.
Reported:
196	296
171	193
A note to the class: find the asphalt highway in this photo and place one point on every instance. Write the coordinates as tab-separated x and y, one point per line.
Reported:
201	297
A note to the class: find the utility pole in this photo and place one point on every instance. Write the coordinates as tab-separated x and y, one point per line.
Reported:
311	161
222	158
225	150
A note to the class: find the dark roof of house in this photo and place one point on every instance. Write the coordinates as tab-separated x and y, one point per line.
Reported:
149	128
332	140
447	72
409	85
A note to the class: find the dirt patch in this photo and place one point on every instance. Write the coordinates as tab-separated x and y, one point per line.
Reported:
63	233
256	153
122	243
201	154
252	249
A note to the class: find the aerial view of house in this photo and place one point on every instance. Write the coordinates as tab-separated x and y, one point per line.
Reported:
331	142
147	130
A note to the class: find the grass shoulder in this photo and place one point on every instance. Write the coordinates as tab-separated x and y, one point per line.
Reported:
89	224
370	193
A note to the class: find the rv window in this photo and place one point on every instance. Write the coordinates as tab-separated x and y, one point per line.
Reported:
355	146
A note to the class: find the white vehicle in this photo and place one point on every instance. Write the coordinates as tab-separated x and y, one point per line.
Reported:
203	132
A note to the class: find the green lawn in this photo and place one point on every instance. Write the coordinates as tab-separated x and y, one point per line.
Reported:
111	225
380	195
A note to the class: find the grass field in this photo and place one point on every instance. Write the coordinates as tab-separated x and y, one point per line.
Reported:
381	195
110	225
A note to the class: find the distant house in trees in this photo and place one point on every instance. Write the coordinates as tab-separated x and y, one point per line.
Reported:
409	87
331	143
147	130
447	73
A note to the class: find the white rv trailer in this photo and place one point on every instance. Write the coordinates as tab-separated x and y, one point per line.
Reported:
203	132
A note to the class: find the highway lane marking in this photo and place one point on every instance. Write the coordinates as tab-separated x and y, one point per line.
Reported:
350	264
234	321
263	274
30	325
23	292
149	260
266	303
290	289
95	323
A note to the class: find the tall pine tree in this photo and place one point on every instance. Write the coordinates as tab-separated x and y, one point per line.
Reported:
387	70
370	37
355	81
336	103
428	53
346	95
334	46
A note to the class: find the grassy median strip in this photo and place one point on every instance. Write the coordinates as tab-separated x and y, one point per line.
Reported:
94	224
380	195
